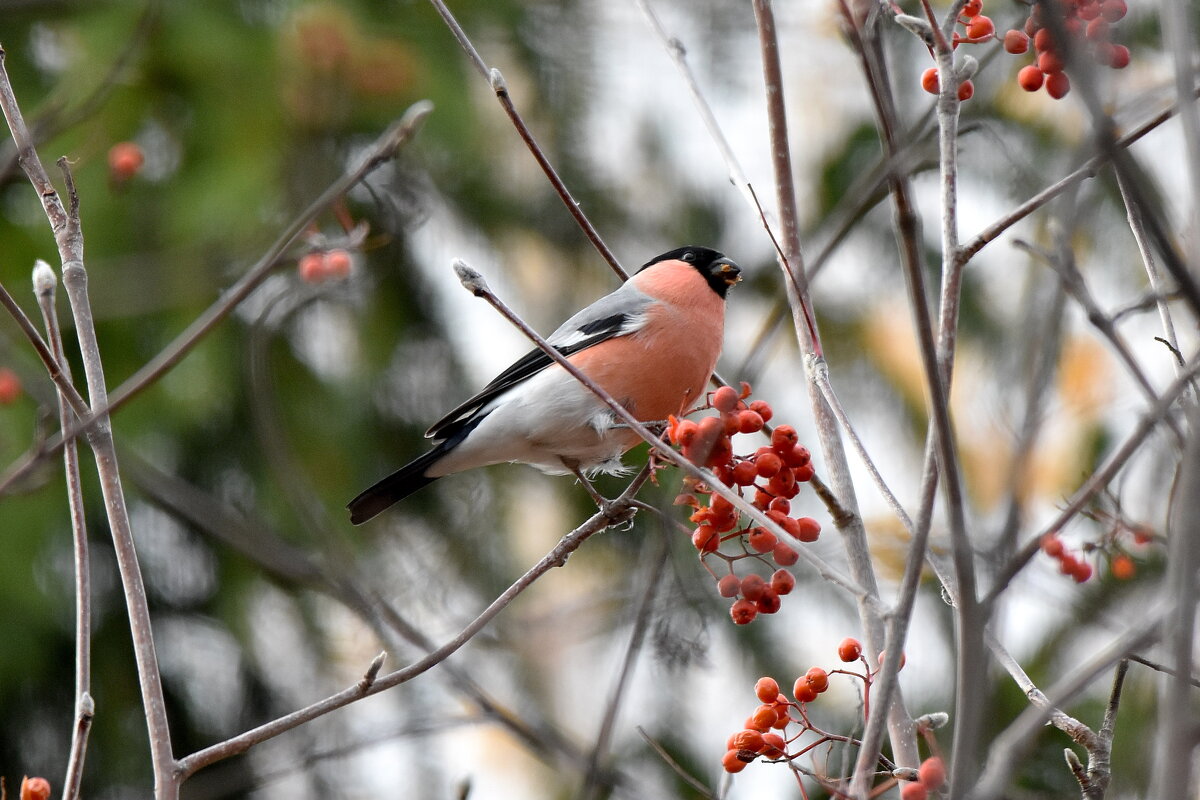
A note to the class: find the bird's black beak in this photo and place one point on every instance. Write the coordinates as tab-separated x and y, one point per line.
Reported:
727	271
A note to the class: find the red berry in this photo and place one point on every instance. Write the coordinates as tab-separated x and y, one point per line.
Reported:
35	789
1043	40
803	474
782	505
762	540
1088	10
311	267
784	556
932	773
725	399
1030	78
1081	572
763	718
768	464
706	539
753	587
729	586
750	422
903	659
912	791
798	456
803	690
972	8
1119	59
766	690
769	603
732	761
783	582
745	473
10	387
1052	545
966	90
685	432
1057	85
1016	42
1097	30
981	27
125	159
1113	10
1049	62
818	679
773	746
763	409
849	650
929	82
810	529
743	612
783	439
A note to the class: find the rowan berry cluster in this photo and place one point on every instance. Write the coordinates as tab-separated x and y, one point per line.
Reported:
778	728
1087	24
1114	546
773	472
322	265
977	29
1068	562
931	776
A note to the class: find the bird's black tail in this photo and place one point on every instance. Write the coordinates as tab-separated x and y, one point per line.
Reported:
395	487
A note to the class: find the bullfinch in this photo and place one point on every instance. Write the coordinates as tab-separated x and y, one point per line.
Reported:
652	345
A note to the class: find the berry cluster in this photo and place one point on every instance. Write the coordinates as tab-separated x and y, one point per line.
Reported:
778	713
977	29
1118	539
931	776
1087	23
1068	563
322	265
774	472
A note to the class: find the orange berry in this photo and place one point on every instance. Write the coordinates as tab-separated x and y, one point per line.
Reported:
729	586
748	739
10	387
783	438
724	399
810	529
750	422
1142	535
913	791
685	432
766	689
981	27
972	8
753	587
798	456
903	659
781	505
743	612
929	80
1030	78
1057	85
932	773
803	691
849	650
774	746
818	679
1052	545
706	539
768	602
803	474
732	761
783	581
763	718
1016	42
966	90
784	556
35	789
125	159
1122	567
763	409
783	483
762	540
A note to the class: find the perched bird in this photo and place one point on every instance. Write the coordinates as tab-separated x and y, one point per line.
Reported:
652	345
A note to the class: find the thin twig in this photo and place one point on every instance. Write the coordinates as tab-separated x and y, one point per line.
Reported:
68	235
676	767
619	509
43	283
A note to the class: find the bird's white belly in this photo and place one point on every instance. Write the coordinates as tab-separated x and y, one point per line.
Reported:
550	422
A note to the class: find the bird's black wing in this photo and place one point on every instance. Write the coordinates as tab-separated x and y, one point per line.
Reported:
573	340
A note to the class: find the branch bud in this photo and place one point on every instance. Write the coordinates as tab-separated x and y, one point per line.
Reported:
44	279
471	280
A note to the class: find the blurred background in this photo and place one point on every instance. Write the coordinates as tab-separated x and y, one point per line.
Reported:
238	463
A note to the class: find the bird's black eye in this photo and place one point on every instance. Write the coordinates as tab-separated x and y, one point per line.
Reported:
689	256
